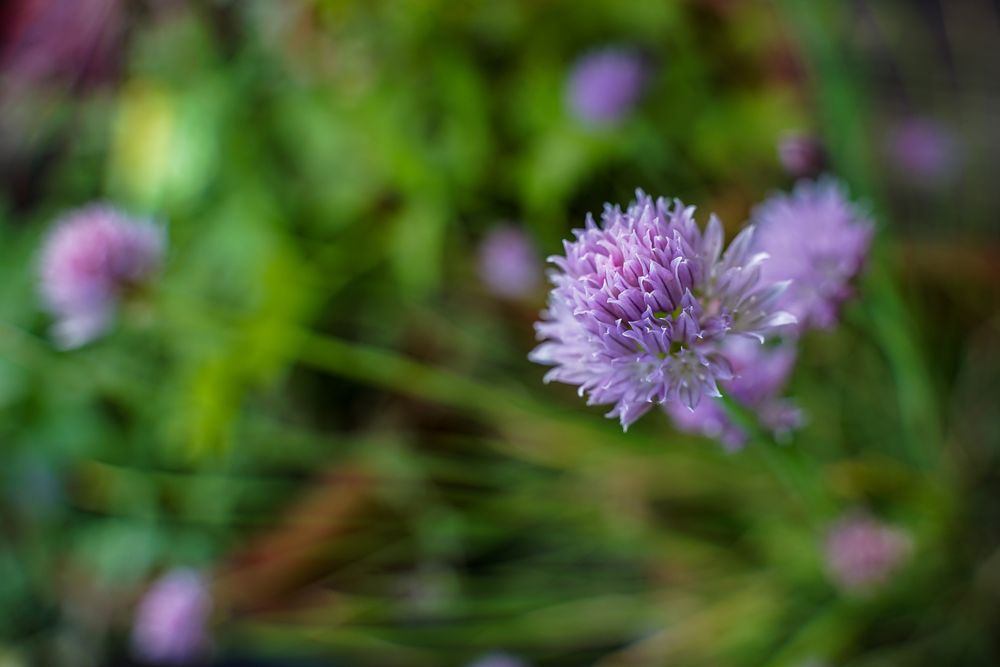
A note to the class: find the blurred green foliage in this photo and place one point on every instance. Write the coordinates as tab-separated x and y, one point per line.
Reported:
321	406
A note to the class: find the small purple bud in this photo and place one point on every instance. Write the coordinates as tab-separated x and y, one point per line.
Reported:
171	619
924	150
605	86
90	262
863	553
801	155
509	264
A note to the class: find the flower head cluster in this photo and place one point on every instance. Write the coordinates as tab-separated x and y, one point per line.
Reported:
90	262
863	553
605	85
643	304
760	373
818	240
170	622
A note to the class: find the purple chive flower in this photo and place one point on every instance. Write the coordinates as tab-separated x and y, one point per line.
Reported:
925	151
498	660
801	154
508	263
91	261
863	553
760	373
818	240
642	305
171	620
605	85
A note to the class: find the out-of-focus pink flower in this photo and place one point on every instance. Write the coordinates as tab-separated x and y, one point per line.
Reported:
818	239
863	553
605	85
925	151
498	660
171	620
801	154
92	259
509	264
71	41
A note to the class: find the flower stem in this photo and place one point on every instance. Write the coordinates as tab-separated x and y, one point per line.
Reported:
921	428
383	368
801	481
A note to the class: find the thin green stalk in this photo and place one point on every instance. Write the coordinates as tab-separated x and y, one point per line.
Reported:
412	378
801	481
841	90
918	407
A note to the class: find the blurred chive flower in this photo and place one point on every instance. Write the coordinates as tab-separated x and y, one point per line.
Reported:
642	306
801	154
498	660
171	619
76	43
605	85
508	263
924	151
90	262
863	553
760	373
818	240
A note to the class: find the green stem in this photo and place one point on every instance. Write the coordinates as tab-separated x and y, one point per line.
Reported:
801	481
841	89
412	378
892	326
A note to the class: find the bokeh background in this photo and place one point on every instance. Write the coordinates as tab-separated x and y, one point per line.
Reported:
324	407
